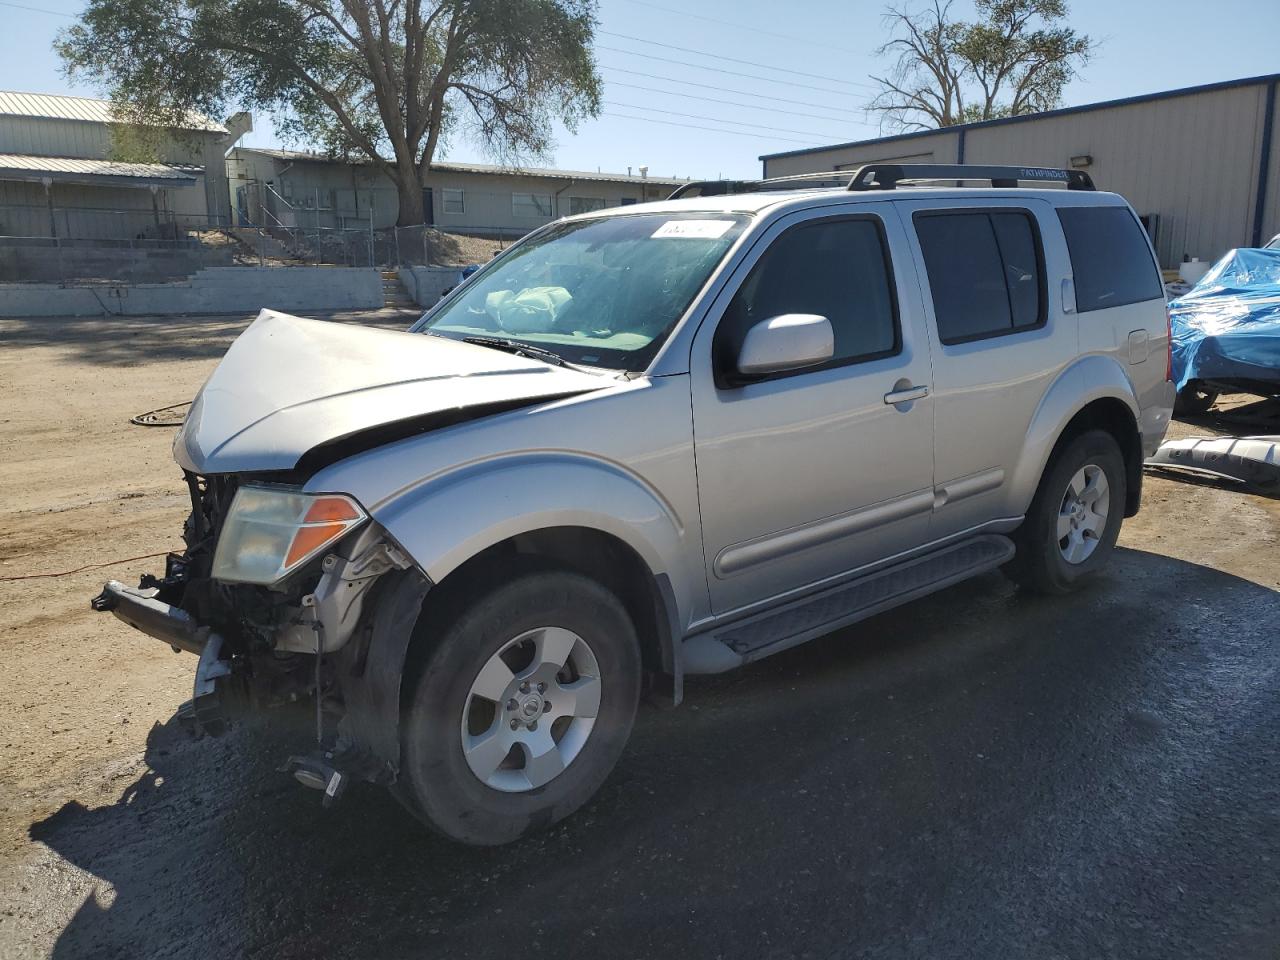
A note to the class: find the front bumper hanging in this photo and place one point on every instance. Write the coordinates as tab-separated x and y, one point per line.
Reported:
143	610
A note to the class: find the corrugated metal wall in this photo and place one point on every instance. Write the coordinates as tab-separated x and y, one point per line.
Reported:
49	137
934	148
90	212
54	138
1191	160
1271	213
344	193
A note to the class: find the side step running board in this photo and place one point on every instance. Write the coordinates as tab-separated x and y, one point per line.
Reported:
819	613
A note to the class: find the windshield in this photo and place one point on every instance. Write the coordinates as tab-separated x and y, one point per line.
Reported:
603	292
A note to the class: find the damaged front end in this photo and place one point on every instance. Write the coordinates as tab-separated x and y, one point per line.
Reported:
280	618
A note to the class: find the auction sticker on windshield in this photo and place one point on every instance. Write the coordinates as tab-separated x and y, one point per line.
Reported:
696	229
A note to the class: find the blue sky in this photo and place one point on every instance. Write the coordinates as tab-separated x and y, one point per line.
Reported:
1146	47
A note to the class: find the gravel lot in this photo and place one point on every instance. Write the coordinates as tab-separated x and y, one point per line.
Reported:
978	775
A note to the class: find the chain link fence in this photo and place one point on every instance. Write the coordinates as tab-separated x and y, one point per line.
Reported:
77	245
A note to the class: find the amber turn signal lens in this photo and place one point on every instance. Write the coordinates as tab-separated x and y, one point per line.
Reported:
327	519
310	539
330	510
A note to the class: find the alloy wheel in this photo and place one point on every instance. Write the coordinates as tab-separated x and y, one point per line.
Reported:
1082	515
531	709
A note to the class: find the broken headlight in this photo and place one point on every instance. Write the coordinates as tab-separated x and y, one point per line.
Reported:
270	532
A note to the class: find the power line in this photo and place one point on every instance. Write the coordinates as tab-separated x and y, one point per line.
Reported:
52	13
705	129
810	41
748	63
650	76
699	116
728	103
729	73
719	89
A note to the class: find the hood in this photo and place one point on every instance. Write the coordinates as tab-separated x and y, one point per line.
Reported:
291	388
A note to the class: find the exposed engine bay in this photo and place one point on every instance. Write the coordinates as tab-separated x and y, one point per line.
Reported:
301	643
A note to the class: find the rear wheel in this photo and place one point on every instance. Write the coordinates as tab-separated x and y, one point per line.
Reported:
1074	520
522	708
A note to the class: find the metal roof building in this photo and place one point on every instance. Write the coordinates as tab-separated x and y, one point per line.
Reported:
1201	165
291	188
57	106
60	175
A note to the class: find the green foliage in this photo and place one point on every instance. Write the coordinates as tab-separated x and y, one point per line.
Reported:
132	143
387	79
1015	59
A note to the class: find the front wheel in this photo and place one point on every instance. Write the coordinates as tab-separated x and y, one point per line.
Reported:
1075	517
522	708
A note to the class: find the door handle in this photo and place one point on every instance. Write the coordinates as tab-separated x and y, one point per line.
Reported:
905	395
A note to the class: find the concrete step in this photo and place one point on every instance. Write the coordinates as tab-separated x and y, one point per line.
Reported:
394	293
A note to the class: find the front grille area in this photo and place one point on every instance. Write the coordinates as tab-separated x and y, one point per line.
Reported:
246	615
210	503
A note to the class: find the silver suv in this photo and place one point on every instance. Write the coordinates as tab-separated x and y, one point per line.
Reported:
662	440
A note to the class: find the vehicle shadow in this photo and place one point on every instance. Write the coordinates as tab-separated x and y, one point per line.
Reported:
979	774
132	341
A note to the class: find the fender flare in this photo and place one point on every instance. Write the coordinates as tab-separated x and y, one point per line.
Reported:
371	672
448	520
1086	381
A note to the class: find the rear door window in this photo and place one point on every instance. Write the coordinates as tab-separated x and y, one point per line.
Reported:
1110	257
985	272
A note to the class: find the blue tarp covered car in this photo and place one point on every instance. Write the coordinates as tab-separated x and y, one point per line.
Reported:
1226	330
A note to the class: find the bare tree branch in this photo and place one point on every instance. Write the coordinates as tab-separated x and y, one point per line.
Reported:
1015	58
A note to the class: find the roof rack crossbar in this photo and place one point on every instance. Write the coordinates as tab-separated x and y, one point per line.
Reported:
715	188
887	176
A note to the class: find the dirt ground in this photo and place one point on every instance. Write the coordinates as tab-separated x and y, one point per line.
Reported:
84	702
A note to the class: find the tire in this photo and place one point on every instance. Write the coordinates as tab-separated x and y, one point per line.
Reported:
1194	399
447	732
1046	562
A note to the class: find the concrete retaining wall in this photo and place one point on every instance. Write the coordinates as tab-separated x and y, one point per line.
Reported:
47	263
427	284
216	290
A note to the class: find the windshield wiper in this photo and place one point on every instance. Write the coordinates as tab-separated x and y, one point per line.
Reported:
518	348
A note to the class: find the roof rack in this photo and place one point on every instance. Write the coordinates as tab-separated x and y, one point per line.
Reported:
720	188
888	176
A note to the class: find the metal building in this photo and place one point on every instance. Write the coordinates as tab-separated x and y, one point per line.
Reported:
288	188
62	176
1200	164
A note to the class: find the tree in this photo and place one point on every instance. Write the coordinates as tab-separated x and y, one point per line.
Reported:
1015	59
387	79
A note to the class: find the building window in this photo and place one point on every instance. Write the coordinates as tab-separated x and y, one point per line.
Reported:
628	201
452	201
585	204
531	204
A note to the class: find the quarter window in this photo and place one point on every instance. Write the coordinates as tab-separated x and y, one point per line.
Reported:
531	204
838	269
1110	257
453	201
984	273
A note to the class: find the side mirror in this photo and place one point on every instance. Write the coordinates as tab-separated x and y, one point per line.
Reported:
790	341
